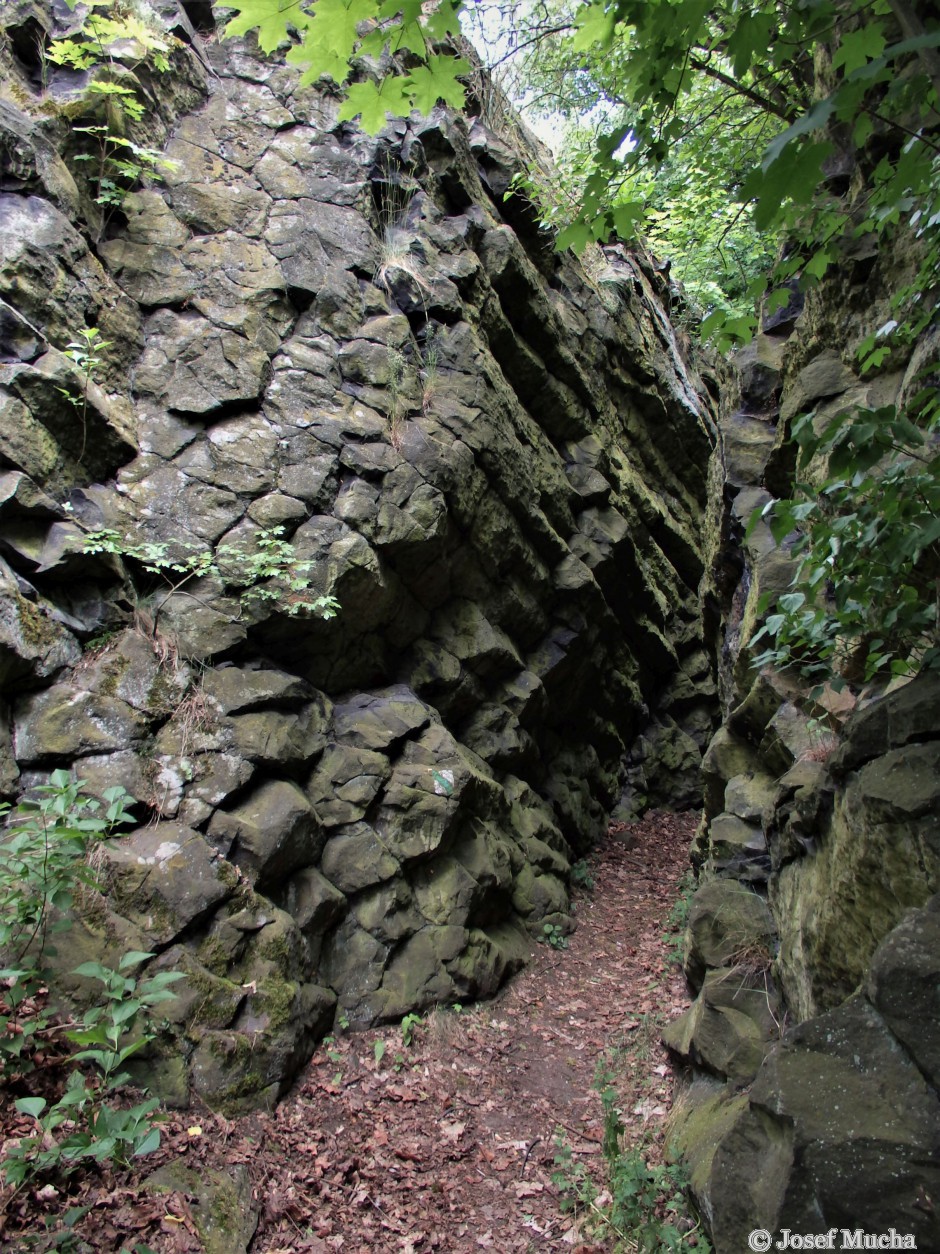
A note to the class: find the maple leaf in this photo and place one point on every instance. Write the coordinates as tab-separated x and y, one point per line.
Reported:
595	24
270	18
404	11
374	101
410	35
437	81
335	22
444	21
316	62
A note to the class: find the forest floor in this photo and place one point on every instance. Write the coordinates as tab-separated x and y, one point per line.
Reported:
469	1131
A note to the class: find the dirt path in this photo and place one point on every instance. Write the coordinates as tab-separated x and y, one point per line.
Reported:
449	1142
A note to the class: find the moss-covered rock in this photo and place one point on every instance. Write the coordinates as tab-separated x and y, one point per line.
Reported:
877	856
728	924
66	722
346	781
904	986
357	857
731	1024
165	879
273	833
221	1203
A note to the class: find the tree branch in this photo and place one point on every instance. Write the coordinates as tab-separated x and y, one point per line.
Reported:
762	102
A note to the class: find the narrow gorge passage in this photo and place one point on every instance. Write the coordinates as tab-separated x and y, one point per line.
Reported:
447	1143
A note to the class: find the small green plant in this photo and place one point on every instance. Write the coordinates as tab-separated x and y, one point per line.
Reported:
378	1051
430	369
554	936
118	161
105	23
270	573
643	1209
647	1211
93	1129
674	935
576	1189
335	1057
581	876
409	1025
43	863
108	1030
85	355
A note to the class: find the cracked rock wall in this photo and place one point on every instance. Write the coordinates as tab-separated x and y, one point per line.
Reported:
497	459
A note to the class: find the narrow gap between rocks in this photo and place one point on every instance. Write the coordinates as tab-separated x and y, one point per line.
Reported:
447	1142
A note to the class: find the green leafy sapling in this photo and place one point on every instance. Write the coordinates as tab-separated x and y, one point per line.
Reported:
107	1033
42	865
270	573
84	352
118	161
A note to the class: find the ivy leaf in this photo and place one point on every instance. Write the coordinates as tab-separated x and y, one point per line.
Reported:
437	81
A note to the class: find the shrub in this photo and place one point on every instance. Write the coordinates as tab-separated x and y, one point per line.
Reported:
43	863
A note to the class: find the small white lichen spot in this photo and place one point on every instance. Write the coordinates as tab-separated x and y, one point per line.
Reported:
166	850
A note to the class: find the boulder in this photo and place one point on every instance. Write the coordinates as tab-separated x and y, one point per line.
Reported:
167	880
904	986
272	833
731	1024
727	925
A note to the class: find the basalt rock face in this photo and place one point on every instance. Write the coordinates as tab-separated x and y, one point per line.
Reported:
497	464
812	944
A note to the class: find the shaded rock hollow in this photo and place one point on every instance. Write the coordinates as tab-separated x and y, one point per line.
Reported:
496	458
